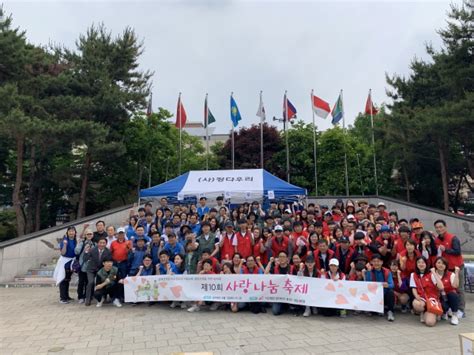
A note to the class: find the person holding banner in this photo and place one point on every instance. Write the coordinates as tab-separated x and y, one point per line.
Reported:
333	273
308	269
280	266
377	273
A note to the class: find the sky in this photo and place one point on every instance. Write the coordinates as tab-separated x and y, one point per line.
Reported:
219	47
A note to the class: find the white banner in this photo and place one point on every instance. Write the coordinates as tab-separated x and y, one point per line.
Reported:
299	290
246	183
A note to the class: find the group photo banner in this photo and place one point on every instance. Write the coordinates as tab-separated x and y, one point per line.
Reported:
298	290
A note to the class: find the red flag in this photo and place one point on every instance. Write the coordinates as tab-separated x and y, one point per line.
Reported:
369	106
180	114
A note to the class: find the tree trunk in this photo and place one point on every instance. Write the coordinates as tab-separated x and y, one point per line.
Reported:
81	210
38	211
444	173
32	192
407	183
468	154
16	199
456	196
140	176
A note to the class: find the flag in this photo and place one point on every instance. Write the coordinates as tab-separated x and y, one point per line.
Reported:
289	111
234	112
369	106
337	111
149	109
180	114
261	109
208	116
320	107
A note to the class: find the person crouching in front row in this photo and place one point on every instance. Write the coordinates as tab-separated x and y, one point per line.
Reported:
106	283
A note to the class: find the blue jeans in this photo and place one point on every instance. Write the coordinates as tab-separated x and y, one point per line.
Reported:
450	301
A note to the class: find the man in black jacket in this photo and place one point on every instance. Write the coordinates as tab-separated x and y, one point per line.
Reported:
94	258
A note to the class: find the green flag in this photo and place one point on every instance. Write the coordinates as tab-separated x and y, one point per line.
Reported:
208	116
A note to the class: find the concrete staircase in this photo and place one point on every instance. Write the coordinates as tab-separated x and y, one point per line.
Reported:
37	277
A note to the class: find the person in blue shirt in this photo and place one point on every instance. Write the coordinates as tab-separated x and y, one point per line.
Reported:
202	209
194	224
147	268
68	255
140	234
166	267
154	247
377	273
135	257
173	247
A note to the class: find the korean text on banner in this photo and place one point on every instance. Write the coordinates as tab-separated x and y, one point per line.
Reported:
307	291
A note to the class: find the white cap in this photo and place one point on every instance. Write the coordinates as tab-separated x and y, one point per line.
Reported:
288	211
351	216
120	230
334	261
381	204
278	228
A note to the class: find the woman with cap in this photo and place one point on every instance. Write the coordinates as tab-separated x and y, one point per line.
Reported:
82	274
63	271
333	274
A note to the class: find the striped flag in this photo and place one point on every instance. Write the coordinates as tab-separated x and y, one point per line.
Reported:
320	107
337	111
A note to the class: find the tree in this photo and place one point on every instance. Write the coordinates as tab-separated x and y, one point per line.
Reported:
247	147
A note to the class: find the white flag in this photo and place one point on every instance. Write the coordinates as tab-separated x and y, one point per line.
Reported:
261	109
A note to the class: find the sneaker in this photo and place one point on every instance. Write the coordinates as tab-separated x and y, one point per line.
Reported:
194	308
454	319
214	307
117	303
99	304
390	316
444	316
174	304
184	305
404	309
450	313
422	317
64	301
460	314
343	313
81	300
307	312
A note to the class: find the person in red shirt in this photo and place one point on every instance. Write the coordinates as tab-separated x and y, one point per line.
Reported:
323	255
449	294
400	288
343	253
259	248
408	258
400	240
333	274
228	242
299	239
206	270
427	247
119	250
279	242
384	243
244	240
382	211
417	229
449	247
424	286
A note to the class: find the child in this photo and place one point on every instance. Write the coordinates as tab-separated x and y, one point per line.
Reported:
333	274
206	270
400	286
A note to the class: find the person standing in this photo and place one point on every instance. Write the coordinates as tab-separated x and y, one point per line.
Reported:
62	272
82	274
449	247
94	258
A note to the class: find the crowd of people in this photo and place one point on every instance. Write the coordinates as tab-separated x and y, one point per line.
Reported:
422	272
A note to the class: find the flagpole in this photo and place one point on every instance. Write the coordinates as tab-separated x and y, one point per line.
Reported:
314	148
285	119
373	142
345	148
180	132
233	153
261	135
206	118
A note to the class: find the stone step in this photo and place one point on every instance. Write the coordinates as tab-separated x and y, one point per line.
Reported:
40	272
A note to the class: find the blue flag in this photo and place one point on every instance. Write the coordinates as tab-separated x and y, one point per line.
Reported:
337	111
234	112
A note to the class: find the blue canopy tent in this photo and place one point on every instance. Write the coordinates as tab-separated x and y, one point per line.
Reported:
237	186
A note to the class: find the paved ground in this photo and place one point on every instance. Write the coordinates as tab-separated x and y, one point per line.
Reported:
32	321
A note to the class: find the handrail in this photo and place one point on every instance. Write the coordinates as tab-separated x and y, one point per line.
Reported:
33	235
